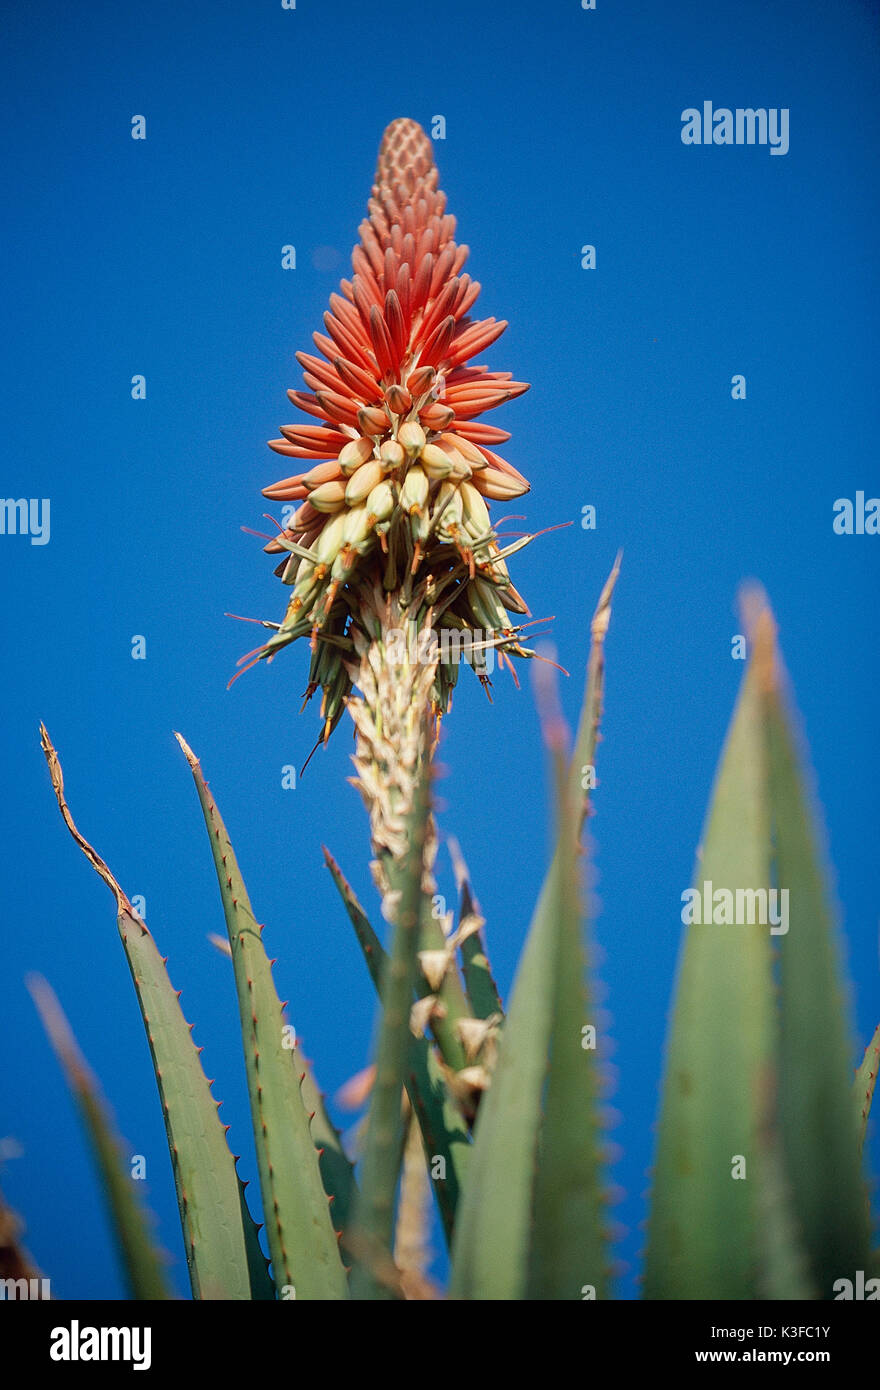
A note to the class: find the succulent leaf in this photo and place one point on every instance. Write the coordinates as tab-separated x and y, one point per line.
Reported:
717	1089
141	1261
303	1245
568	1251
337	1170
820	1129
865	1082
15	1261
445	1134
205	1178
510	1225
482	992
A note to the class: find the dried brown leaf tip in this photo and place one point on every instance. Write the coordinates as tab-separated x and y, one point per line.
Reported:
123	904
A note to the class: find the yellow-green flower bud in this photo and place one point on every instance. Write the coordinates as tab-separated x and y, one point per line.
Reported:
329	497
329	540
412	437
356	452
448	507
380	503
474	510
357	526
414	493
436	462
361	483
393	455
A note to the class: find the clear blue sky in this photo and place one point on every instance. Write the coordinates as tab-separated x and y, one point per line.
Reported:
163	257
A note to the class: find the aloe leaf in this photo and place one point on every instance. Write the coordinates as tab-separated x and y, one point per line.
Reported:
141	1260
568	1257
205	1178
262	1283
783	1270
450	994
337	1170
368	940
303	1245
587	736
493	1228
819	1126
446	1137
510	1224
445	1134
482	992
372	1233
720	1055
15	1261
412	1232
863	1087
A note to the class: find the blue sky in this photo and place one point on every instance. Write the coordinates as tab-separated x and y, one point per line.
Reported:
162	257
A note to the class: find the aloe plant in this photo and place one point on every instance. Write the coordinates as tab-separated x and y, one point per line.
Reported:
398	574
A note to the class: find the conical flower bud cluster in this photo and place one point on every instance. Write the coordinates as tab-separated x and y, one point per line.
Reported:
399	470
